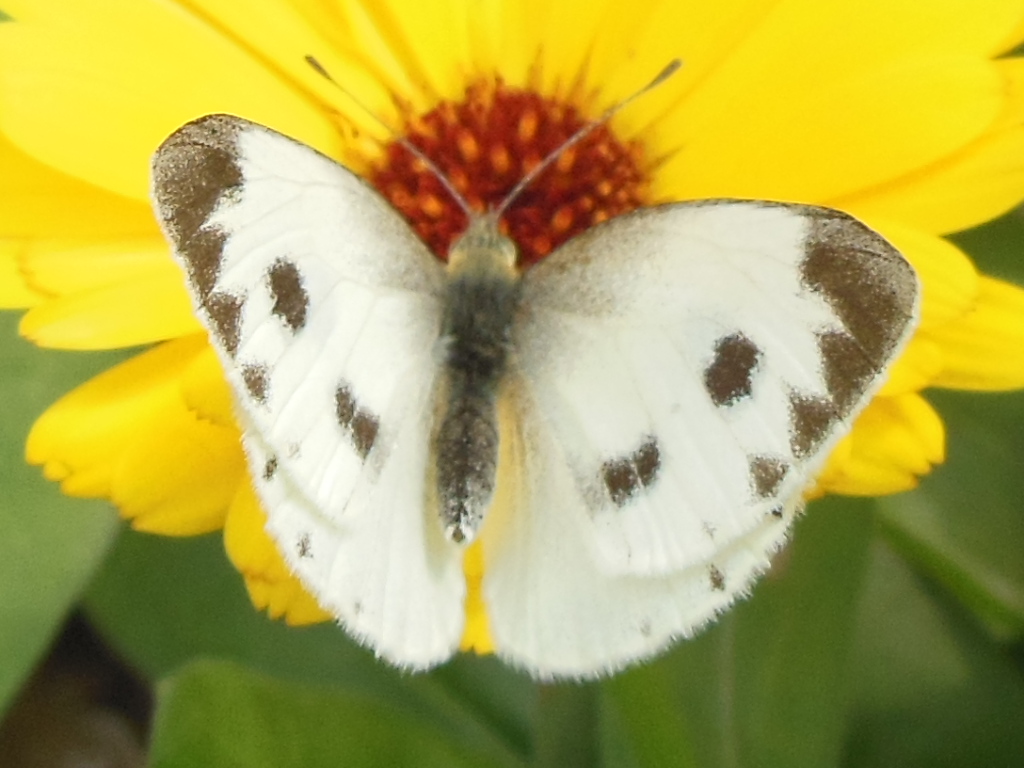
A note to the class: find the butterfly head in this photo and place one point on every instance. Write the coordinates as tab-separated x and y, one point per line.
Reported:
482	249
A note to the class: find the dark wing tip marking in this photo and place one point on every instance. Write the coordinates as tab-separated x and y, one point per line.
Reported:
873	291
624	477
866	281
847	367
291	302
360	425
224	311
729	377
193	171
767	474
256	378
203	254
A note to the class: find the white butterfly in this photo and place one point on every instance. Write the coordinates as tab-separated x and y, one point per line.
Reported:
650	400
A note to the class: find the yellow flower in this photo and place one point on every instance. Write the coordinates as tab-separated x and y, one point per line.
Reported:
902	114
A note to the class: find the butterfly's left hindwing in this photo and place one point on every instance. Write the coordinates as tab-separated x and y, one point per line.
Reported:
680	374
325	310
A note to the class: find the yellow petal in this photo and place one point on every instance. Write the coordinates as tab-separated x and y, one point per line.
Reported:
130	312
507	39
271	586
60	266
15	290
984	349
285	33
894	441
1013	39
983	180
206	391
425	45
179	481
82	438
130	71
915	370
38	201
751	40
817	131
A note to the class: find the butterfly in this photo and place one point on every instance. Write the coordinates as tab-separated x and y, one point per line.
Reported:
627	428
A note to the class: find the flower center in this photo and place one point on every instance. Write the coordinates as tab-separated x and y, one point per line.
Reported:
488	142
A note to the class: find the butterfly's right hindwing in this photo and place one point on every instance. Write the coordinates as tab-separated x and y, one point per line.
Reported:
325	310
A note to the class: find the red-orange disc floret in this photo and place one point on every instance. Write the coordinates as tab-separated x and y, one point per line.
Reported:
485	144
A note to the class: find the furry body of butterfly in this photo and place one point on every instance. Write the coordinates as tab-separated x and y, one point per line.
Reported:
476	338
627	428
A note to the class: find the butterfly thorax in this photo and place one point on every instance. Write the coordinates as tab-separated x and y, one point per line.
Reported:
481	299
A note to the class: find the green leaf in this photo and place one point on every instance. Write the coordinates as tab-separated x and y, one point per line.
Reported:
50	544
767	685
965	525
567	726
931	689
166	602
221	716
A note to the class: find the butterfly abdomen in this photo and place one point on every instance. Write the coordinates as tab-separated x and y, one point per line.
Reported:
476	333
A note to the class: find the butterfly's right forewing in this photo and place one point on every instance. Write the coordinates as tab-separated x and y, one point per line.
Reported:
325	310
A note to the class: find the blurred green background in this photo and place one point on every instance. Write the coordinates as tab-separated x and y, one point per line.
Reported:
888	634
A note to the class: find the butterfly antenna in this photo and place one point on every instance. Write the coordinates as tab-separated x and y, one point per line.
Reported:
669	70
400	140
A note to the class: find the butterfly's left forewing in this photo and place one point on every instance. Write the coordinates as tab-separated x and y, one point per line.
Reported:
680	374
324	309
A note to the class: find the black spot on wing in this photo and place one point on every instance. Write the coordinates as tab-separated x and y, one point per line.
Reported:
291	302
270	468
811	421
257	381
647	460
866	281
620	479
625	477
304	546
767	474
717	578
224	311
729	377
358	423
